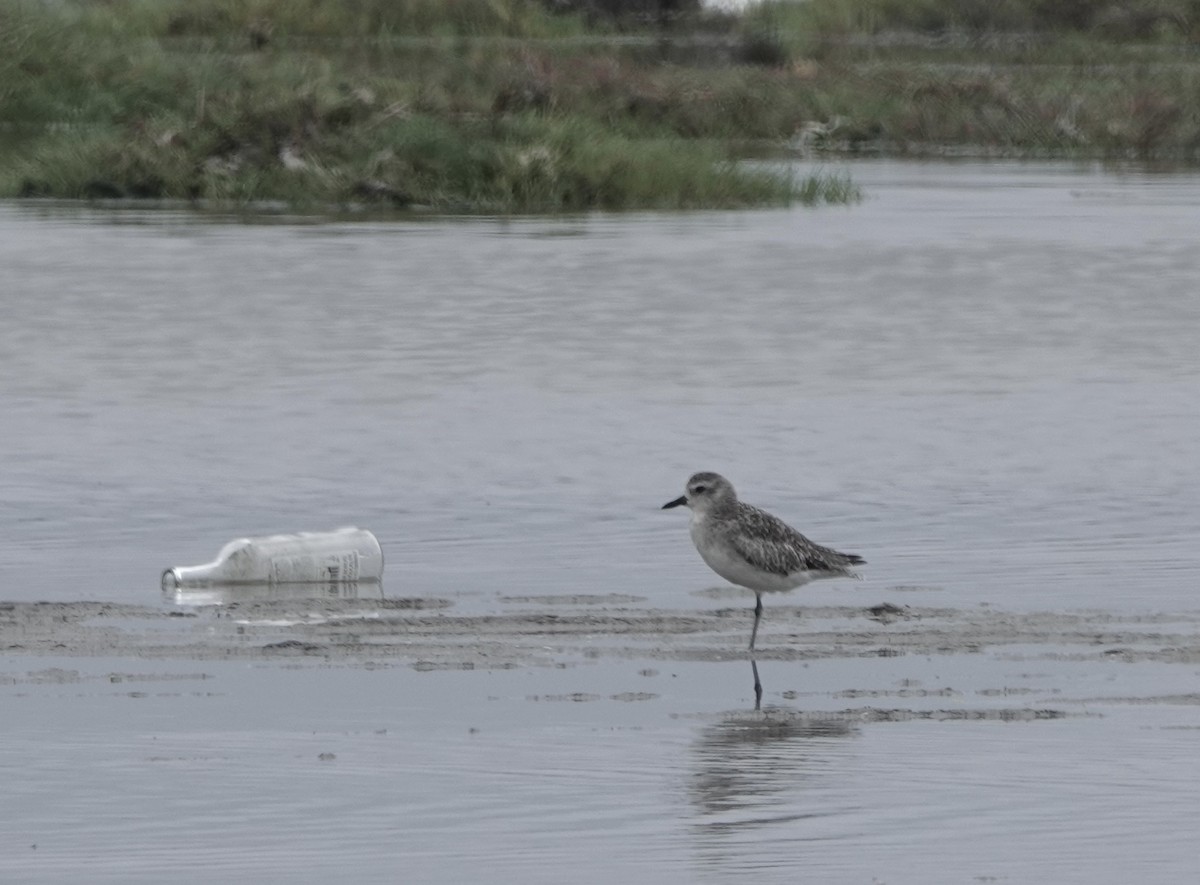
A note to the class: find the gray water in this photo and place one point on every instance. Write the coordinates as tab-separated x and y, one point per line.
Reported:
983	379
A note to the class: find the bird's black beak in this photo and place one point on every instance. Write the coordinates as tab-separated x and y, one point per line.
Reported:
682	499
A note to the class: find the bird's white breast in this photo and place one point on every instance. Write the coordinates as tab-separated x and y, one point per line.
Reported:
716	550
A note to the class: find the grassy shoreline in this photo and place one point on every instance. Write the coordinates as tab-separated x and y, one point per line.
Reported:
502	106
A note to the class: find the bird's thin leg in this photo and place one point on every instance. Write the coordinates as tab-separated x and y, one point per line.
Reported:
757	617
757	685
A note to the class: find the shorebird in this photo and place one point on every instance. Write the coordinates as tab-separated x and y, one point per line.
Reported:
750	547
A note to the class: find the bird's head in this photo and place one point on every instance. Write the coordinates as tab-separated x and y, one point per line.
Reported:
703	491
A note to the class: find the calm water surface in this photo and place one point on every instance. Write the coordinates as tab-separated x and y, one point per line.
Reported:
984	379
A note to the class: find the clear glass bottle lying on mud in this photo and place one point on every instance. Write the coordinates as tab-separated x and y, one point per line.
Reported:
334	559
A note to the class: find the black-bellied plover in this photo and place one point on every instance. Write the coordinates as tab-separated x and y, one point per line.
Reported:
750	547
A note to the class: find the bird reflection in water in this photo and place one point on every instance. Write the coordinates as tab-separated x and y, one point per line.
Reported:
765	771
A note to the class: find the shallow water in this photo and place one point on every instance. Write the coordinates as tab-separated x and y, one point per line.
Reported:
203	772
983	379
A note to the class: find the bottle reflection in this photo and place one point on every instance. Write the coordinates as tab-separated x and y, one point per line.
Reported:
227	594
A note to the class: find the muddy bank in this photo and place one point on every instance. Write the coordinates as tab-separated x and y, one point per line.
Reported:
556	630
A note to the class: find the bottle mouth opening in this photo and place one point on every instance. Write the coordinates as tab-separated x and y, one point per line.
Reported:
170	581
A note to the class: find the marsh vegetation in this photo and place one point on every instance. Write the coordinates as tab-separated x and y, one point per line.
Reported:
521	105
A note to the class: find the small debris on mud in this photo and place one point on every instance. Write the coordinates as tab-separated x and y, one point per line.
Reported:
887	612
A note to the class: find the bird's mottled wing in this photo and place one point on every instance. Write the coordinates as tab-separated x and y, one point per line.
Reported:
770	544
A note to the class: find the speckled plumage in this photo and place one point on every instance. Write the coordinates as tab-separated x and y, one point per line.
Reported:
771	545
750	547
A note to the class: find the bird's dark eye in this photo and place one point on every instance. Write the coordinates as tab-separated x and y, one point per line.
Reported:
700	490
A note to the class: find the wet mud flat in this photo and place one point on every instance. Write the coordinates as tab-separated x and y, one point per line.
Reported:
412	739
964	663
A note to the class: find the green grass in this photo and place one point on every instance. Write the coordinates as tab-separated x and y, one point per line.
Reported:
398	104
